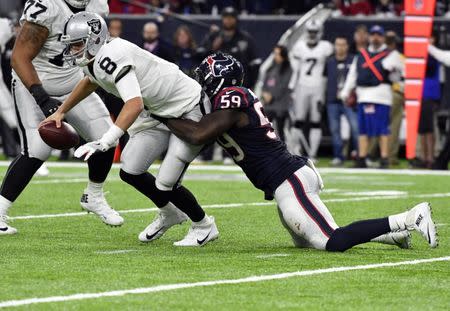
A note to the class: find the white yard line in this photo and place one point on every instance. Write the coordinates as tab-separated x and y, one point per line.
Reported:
119	251
240	205
250	279
235	168
272	256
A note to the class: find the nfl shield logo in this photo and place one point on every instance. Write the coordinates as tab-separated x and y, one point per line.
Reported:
418	4
95	26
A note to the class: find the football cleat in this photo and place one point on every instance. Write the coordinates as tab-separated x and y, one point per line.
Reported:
96	203
199	235
419	219
166	218
401	239
43	171
6	229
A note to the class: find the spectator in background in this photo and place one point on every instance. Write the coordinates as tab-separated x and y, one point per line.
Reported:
230	39
185	50
372	72
430	101
276	96
115	28
360	39
336	70
356	7
154	44
385	8
398	101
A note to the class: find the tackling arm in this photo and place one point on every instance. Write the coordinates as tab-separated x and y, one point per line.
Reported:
207	129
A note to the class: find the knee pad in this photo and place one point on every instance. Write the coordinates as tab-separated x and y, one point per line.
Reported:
339	241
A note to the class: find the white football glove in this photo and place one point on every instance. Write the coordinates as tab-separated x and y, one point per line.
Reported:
87	150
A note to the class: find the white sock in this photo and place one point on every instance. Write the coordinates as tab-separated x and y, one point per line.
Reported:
202	222
315	135
398	222
5	204
94	187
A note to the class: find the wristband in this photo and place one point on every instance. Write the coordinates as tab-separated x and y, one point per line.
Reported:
111	136
39	94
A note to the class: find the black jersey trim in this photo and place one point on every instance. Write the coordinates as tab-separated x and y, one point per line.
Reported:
19	120
122	73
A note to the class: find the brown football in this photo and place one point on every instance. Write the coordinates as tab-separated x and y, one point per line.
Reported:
61	138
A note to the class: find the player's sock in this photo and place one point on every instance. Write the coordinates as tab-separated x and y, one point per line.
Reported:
100	164
145	184
186	202
398	222
94	187
5	204
19	174
356	233
315	135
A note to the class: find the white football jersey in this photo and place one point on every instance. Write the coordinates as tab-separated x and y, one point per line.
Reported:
309	63
165	89
6	32
57	77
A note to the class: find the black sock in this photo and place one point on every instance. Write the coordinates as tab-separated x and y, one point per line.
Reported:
357	233
181	197
19	174
145	184
185	201
100	164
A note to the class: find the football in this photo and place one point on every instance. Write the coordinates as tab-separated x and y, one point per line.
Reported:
61	138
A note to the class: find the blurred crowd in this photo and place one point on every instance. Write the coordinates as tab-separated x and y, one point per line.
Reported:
350	89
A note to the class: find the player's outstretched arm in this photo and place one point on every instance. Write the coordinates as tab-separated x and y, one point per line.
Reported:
207	129
29	42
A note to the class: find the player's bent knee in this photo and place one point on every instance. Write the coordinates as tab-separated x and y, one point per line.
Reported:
339	241
40	152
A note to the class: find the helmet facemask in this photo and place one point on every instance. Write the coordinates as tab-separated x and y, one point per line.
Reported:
76	51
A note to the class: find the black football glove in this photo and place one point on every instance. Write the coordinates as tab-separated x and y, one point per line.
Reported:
47	104
160	119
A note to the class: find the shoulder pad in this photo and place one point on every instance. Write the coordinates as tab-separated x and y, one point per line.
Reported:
41	12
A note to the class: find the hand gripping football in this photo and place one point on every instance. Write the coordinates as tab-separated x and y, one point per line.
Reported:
61	138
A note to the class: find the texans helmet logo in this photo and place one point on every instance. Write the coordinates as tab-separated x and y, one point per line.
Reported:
217	66
95	26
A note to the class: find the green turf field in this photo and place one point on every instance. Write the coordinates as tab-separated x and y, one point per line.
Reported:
64	254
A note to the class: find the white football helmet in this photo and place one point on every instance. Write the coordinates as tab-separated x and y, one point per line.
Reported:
314	30
84	34
79	4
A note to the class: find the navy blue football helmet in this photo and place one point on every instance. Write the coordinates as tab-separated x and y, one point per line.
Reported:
217	71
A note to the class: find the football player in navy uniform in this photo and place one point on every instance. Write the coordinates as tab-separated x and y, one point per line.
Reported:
238	123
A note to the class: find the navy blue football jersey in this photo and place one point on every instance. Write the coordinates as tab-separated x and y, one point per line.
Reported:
256	148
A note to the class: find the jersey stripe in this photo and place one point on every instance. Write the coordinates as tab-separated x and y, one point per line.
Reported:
19	120
309	207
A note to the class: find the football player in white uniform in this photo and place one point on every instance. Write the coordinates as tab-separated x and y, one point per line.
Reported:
147	84
308	85
41	81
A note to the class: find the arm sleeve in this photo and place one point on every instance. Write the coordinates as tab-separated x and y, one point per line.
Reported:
128	86
350	81
441	55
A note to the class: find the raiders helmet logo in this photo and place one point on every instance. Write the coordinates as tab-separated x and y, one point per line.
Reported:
95	26
218	66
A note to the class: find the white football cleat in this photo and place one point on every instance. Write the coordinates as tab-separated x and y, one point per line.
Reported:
419	219
199	235
167	217
96	203
6	229
401	239
43	171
